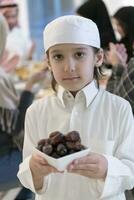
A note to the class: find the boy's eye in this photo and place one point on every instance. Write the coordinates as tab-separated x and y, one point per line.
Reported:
80	54
58	57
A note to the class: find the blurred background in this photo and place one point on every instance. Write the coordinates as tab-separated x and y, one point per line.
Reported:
22	57
34	15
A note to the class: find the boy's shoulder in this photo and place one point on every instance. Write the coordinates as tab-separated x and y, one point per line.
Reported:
114	99
42	103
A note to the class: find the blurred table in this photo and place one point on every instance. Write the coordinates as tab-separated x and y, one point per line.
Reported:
23	73
26	70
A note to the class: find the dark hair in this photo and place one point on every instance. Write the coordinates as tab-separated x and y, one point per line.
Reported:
98	72
125	17
97	11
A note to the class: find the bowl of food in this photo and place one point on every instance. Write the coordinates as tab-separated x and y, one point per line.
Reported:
60	150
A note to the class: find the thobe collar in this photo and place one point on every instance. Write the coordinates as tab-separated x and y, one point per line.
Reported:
89	92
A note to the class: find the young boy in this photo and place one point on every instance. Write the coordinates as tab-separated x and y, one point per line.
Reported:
104	121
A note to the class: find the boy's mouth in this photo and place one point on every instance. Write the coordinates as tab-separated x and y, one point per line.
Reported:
71	78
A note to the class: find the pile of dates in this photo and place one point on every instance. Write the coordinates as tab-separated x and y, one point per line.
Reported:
59	145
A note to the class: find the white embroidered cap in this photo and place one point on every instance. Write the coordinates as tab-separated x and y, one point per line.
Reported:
71	29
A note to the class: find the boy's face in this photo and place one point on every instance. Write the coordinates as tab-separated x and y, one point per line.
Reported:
73	65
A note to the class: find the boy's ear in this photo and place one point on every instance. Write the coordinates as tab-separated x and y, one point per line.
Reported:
99	58
48	63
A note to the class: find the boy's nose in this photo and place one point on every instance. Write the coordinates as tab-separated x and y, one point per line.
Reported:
69	65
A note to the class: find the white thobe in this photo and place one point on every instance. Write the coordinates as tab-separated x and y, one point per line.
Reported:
106	125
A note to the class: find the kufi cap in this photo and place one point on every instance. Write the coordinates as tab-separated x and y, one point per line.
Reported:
71	29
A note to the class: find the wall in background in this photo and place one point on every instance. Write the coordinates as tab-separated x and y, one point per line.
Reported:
114	5
43	12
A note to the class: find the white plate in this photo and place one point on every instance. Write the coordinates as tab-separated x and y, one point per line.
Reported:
62	163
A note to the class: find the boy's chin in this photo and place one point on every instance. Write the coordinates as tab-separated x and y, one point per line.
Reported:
75	89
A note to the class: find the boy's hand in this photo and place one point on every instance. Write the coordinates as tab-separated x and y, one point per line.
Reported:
92	166
39	168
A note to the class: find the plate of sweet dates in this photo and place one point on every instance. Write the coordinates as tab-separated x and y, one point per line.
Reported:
61	149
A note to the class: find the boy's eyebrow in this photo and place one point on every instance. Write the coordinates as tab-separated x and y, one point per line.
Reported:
55	51
81	48
75	48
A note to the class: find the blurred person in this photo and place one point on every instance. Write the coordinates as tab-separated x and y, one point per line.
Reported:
17	42
96	10
125	87
124	20
9	63
117	57
12	114
74	57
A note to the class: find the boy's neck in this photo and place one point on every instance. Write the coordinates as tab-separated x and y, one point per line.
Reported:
73	93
